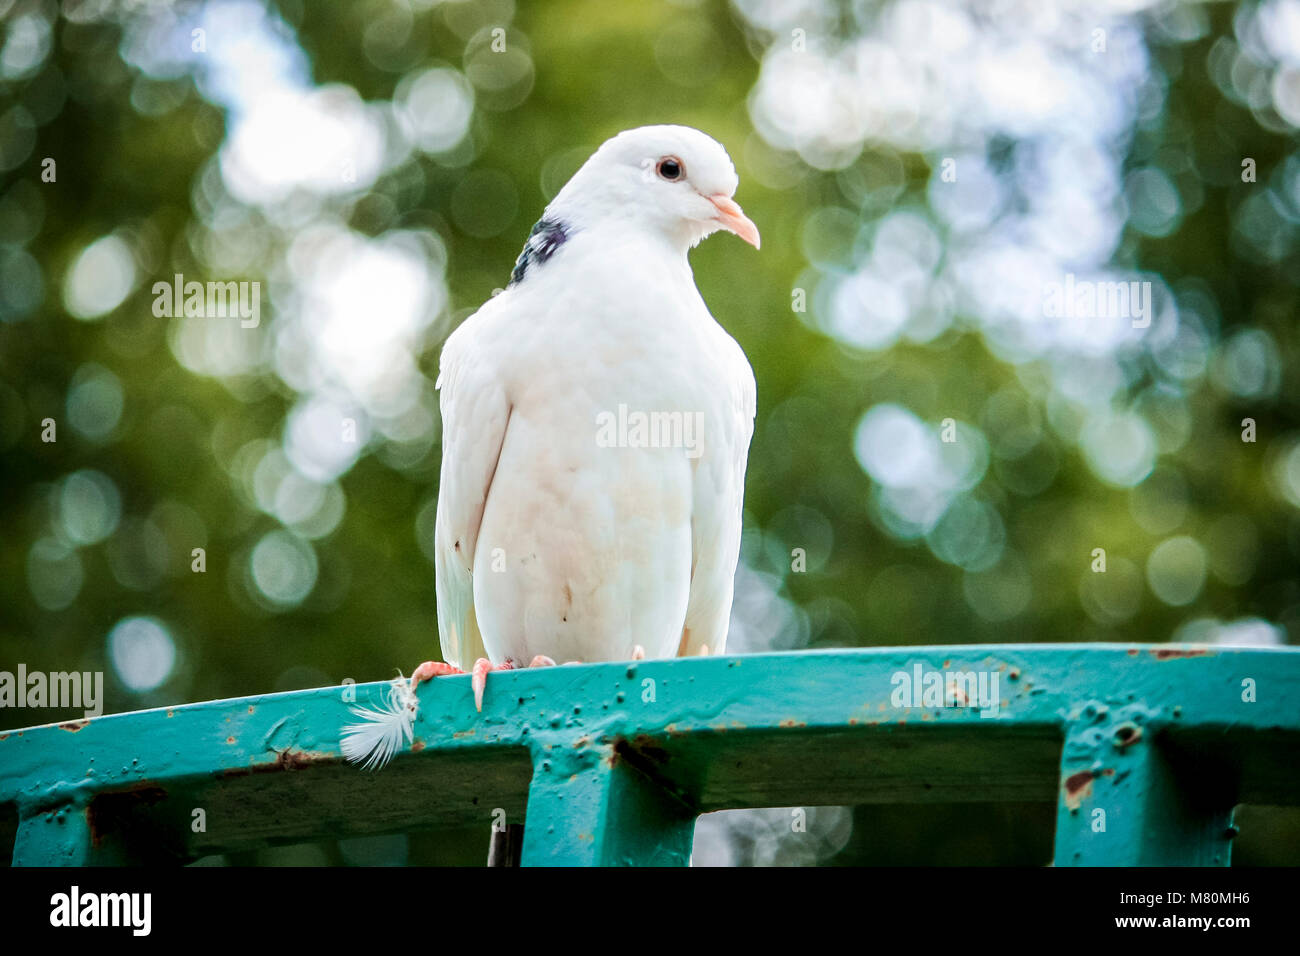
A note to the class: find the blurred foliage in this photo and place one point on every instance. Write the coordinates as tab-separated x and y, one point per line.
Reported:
375	166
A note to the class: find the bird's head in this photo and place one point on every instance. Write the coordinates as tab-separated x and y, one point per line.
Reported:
672	179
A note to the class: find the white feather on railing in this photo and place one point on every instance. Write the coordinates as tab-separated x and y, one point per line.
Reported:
383	730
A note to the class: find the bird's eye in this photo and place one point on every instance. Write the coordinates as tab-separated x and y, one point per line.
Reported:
670	168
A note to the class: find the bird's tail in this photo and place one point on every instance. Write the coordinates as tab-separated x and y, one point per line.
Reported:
382	730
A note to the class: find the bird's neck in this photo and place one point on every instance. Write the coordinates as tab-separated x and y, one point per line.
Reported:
615	247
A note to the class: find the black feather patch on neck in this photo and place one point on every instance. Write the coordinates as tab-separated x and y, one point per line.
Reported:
547	236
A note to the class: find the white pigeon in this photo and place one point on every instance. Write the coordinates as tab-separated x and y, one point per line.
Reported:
596	422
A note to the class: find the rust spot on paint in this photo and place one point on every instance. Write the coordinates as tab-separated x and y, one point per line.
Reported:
853	721
581	742
295	759
417	746
1132	652
1077	787
230	740
75	725
170	712
464	733
4	736
1169	653
250	708
284	760
791	722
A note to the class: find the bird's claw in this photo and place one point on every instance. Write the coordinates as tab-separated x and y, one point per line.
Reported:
479	681
429	670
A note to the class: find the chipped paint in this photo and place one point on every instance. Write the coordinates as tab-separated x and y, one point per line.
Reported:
1126	735
1174	653
1078	787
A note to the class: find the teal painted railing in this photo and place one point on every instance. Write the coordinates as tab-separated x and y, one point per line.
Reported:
1146	750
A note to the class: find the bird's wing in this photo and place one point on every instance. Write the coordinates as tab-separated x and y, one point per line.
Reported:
475	417
717	515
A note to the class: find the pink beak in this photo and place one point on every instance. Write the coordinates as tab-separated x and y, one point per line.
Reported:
733	218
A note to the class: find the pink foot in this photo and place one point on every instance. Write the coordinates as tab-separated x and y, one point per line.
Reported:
431	669
638	652
479	678
541	660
